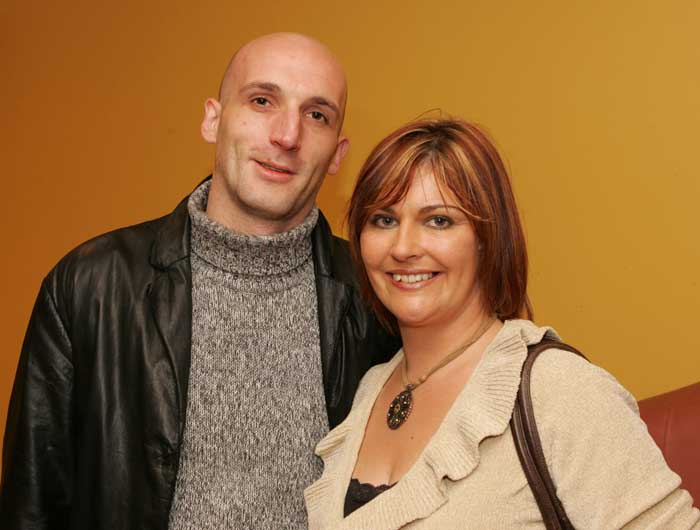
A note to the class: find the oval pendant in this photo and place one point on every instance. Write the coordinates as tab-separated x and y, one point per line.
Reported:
399	410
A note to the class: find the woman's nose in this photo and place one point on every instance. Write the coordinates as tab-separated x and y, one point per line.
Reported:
406	245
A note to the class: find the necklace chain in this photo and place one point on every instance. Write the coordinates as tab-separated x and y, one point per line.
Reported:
402	405
447	359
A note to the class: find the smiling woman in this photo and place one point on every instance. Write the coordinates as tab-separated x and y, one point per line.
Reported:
435	233
454	180
420	256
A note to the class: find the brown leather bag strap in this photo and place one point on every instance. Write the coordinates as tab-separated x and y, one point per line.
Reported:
529	447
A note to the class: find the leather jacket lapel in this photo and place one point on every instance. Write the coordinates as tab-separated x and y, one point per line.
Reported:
333	298
170	297
332	307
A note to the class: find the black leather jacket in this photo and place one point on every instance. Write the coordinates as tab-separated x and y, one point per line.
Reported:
98	406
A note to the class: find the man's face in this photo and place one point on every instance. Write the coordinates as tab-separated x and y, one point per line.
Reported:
277	134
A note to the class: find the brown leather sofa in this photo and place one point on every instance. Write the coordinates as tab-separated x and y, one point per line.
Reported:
673	420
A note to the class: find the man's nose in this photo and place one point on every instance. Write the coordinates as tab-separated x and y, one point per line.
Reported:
407	244
286	131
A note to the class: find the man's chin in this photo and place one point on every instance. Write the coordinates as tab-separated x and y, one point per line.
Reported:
277	217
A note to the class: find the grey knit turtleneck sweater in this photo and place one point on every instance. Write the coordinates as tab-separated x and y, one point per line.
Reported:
255	406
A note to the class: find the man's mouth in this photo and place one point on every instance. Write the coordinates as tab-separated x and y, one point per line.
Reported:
277	169
412	278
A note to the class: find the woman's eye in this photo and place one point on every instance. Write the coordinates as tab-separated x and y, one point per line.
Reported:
440	221
382	221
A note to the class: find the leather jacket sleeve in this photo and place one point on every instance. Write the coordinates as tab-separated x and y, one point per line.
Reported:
36	487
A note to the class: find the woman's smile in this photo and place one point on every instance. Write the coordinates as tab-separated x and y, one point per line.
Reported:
412	279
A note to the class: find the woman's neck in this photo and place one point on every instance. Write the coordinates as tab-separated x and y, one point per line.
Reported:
426	346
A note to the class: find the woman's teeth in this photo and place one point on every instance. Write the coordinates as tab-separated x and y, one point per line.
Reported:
412	278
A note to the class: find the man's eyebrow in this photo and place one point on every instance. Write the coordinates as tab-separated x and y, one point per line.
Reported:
270	87
318	100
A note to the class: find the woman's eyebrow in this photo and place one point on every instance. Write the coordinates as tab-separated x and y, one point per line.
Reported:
432	207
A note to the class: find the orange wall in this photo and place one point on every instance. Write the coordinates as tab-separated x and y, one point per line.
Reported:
595	105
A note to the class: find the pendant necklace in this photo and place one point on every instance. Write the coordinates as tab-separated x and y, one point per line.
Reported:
402	405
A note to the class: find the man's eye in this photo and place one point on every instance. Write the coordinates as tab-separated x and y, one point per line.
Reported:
440	221
262	101
382	221
318	116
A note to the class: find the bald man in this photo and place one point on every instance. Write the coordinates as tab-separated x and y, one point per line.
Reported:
178	373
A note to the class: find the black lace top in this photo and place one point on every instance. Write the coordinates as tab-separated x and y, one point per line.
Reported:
360	493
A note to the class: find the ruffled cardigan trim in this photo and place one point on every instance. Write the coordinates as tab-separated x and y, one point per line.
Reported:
482	409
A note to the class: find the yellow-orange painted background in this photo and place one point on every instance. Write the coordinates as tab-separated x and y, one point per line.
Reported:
595	106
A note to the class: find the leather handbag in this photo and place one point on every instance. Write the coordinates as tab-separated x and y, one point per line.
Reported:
529	447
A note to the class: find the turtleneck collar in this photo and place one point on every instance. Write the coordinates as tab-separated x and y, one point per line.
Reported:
246	254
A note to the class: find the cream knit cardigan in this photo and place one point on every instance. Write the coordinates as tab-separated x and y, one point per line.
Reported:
607	470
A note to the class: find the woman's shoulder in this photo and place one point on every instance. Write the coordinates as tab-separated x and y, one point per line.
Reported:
562	377
607	469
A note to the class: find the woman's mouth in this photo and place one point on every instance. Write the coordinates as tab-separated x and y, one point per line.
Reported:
412	278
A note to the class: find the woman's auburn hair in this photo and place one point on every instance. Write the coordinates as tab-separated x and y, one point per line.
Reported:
465	161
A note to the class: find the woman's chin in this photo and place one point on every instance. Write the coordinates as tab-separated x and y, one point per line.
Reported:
415	320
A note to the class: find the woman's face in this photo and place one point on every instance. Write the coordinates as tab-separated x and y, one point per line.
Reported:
421	256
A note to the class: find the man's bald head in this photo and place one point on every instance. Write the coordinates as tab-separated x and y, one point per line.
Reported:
308	52
277	126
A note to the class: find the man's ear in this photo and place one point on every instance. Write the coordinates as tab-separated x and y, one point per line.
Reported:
340	152
210	123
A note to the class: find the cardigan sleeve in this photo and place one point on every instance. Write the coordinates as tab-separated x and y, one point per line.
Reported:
607	470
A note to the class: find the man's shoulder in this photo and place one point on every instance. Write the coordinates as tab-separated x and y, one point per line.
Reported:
126	239
342	260
129	240
332	254
124	250
340	246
